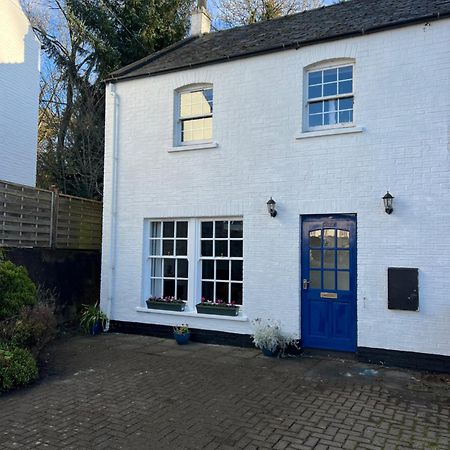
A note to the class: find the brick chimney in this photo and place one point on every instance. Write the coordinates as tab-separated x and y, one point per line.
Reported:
200	20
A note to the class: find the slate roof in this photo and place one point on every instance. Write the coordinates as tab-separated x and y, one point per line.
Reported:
342	20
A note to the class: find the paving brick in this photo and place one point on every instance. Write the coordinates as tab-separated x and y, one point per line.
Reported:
124	392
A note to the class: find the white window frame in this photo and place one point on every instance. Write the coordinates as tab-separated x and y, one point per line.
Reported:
321	67
193	256
163	257
221	258
178	142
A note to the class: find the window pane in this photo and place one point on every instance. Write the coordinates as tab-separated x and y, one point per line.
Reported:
346	103
168	229
346	116
343	259
182	268
315	77
345	87
156	288
236	228
343	238
236	293
315	279
155	229
207	248
182	229
196	129
315	238
329	237
346	73
169	288
236	249
155	267
208	270
207	229
182	289
223	270
316	108
315	259
329	75
182	247
208	93
330	118
221	229
343	281
222	292
155	247
329	259
236	270
185	104
329	89
208	290
315	91
315	120
328	280
221	248
168	247
330	105
169	268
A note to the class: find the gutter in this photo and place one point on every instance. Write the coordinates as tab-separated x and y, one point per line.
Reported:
293	45
113	218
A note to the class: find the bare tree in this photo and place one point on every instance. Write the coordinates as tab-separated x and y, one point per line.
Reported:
233	13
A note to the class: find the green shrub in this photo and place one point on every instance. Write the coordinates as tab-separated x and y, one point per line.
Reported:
16	289
17	367
34	328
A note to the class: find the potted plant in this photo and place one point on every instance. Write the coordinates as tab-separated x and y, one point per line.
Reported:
166	303
219	307
182	334
268	337
93	319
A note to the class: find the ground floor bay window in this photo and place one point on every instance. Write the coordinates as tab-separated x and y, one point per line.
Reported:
191	259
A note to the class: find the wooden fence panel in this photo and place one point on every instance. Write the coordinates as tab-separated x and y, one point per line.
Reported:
79	223
25	216
31	217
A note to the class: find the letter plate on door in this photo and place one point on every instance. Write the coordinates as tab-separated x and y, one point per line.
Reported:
328	295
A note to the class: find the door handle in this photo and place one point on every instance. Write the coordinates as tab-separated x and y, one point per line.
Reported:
305	283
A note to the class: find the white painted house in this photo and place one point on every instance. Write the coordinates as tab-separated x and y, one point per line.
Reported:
19	95
324	111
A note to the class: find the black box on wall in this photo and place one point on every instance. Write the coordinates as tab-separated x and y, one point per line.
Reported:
403	288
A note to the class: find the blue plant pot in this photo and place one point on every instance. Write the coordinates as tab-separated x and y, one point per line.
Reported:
182	338
270	353
96	329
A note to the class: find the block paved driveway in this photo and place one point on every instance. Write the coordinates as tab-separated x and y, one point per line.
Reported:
138	392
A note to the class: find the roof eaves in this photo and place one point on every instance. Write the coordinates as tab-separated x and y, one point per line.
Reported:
121	73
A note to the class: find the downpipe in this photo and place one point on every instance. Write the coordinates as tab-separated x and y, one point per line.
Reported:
113	218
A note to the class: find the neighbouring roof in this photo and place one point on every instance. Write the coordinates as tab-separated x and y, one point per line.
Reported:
342	20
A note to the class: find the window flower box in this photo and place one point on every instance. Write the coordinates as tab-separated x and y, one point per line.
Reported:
217	308
167	303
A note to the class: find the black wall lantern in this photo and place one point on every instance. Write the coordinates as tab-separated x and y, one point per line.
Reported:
388	200
271	204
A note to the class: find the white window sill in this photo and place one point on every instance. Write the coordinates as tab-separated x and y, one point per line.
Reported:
202	146
240	318
329	132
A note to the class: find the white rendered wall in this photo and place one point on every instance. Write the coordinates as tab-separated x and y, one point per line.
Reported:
402	100
19	95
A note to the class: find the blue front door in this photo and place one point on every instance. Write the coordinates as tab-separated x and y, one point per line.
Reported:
328	282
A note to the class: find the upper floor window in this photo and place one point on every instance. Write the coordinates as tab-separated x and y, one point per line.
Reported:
195	115
330	97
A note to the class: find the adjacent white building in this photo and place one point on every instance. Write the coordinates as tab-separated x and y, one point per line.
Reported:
324	112
19	95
